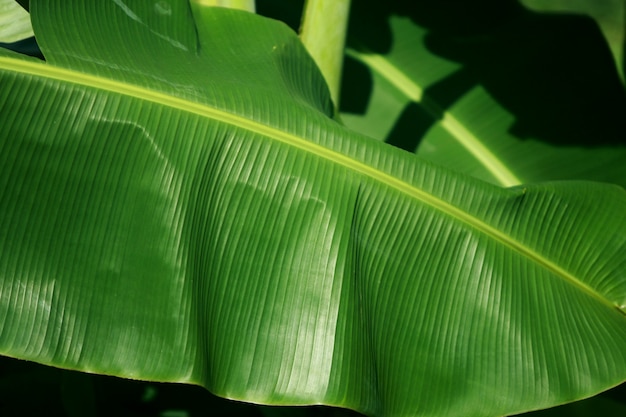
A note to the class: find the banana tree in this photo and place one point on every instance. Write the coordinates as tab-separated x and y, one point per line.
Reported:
182	202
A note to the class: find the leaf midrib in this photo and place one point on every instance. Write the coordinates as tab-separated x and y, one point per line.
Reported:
44	70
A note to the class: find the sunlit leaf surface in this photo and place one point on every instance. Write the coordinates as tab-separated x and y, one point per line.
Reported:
14	22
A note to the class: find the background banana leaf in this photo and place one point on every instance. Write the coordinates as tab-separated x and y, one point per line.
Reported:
14	22
173	212
490	88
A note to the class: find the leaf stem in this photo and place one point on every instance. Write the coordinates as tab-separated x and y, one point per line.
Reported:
323	33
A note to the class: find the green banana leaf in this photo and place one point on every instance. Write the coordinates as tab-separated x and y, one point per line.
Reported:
14	22
179	205
503	93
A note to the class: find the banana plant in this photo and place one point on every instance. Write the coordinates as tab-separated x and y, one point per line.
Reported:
183	202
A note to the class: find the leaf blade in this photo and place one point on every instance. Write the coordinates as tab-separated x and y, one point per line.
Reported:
284	277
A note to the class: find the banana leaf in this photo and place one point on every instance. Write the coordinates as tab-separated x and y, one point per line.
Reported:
178	204
489	88
14	22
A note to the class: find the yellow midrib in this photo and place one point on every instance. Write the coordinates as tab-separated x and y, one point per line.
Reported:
61	74
463	136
